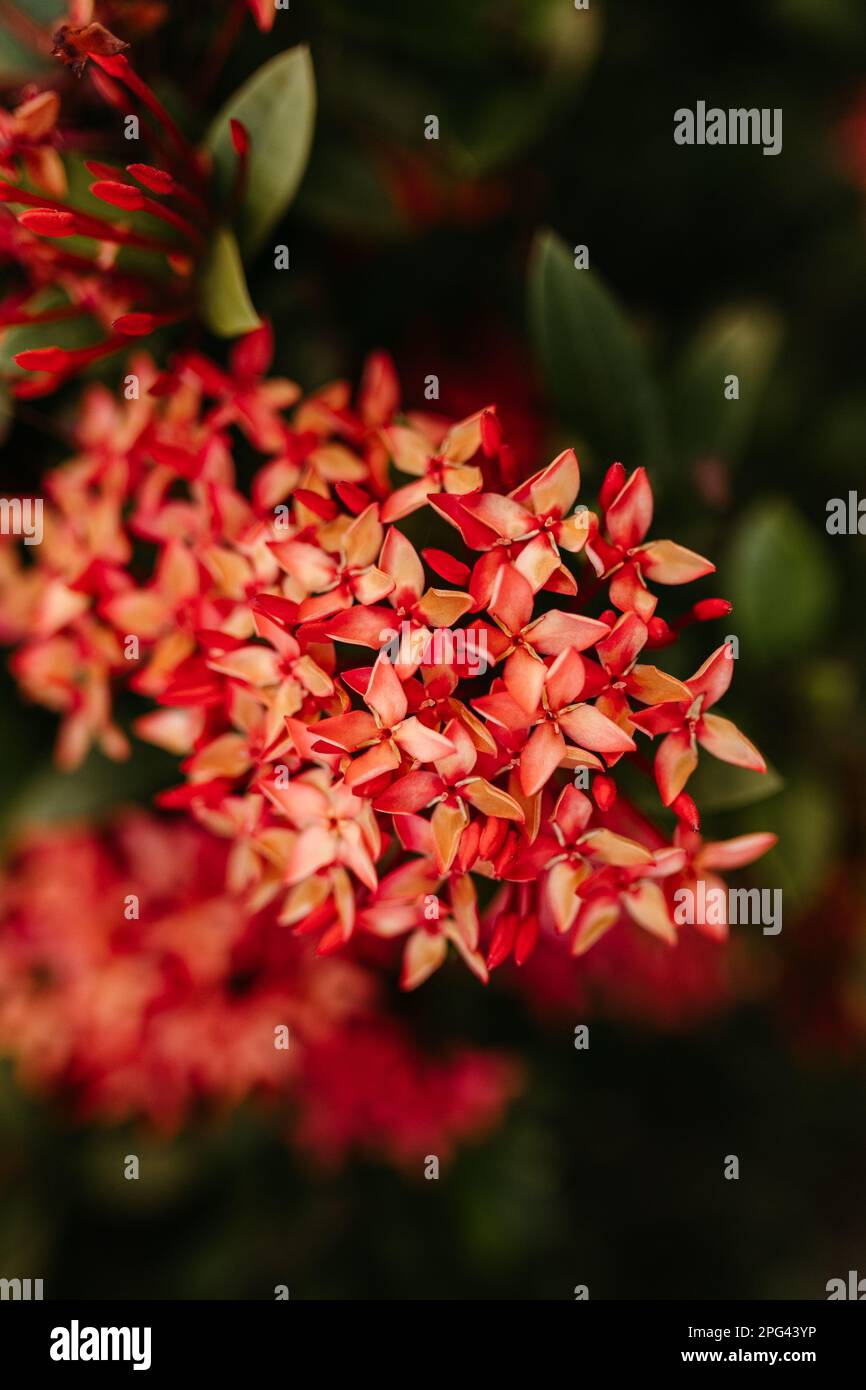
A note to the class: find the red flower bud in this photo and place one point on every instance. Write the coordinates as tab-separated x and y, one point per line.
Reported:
604	792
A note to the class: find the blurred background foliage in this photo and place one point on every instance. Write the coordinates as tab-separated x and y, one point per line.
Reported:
456	255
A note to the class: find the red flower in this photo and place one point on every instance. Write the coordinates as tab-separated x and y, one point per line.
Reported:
686	723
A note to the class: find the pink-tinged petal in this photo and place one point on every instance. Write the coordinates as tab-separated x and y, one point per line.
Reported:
177	574
442	607
173	729
573	813
463	440
406	500
629	516
646	905
595	919
256	666
464	908
446	566
311	567
313	849
392	919
363	627
355	857
660	719
461	762
654	687
382	758
675	761
611	848
410	794
385	695
589	728
226	756
447	824
302	803
483	740
560	891
311	676
502	514
379	396
665	562
372	585
415	834
323	606
524	679
503	710
362	540
490	800
410	450
484	573
399	558
303	739
471	957
476	535
144	612
553	632
565	679
459	481
573	532
416	740
423	956
562	581
723	739
714	677
734	854
540	758
554	490
409	881
537	561
346	731
511	600
629	593
622	646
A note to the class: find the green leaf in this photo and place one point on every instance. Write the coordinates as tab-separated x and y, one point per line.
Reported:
18	58
741	341
779	580
718	786
223	294
590	357
806	820
67	333
277	107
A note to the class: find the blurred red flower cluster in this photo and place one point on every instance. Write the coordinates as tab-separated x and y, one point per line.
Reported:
186	999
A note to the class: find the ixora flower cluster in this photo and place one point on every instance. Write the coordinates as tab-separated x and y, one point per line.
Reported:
367	790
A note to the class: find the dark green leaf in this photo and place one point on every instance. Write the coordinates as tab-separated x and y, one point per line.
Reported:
591	360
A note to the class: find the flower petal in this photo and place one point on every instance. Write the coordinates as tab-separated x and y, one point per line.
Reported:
723	739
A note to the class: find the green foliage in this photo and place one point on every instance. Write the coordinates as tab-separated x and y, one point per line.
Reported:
779	580
741	341
592	362
223	294
277	108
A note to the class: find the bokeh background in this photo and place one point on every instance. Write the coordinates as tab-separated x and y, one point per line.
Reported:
556	129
